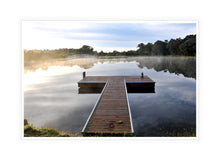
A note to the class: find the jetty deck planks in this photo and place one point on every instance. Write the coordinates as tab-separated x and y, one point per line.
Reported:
111	114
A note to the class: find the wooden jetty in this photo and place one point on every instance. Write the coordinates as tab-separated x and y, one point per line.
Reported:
111	114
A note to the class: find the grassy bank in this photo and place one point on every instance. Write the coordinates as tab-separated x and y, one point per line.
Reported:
31	131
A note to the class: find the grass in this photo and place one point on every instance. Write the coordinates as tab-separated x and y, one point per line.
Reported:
183	132
31	131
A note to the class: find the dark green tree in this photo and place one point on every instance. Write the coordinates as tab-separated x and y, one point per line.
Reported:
159	48
173	46
148	48
140	48
188	46
86	49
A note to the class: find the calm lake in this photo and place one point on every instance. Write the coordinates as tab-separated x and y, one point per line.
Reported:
51	96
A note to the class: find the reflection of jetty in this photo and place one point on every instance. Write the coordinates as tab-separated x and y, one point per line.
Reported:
111	114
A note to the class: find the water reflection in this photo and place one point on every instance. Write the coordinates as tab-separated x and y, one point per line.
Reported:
171	110
51	96
57	104
177	65
185	66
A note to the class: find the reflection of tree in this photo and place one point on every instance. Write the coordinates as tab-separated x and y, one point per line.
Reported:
44	65
185	66
177	65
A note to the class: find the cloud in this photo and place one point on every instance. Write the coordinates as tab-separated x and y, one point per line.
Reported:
172	30
74	34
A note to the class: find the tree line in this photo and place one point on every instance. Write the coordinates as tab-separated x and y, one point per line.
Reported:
185	47
178	46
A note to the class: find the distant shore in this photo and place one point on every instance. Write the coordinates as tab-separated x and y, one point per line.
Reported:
174	47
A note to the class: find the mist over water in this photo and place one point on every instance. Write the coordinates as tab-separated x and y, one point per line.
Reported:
51	96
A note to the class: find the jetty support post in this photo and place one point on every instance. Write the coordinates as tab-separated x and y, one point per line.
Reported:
142	75
84	74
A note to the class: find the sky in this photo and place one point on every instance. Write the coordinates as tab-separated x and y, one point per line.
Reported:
101	35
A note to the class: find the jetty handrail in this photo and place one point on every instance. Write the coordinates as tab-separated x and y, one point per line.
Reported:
96	104
129	110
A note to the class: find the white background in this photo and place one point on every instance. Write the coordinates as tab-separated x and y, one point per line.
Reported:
207	144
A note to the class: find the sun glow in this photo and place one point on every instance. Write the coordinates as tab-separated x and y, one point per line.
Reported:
30	78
